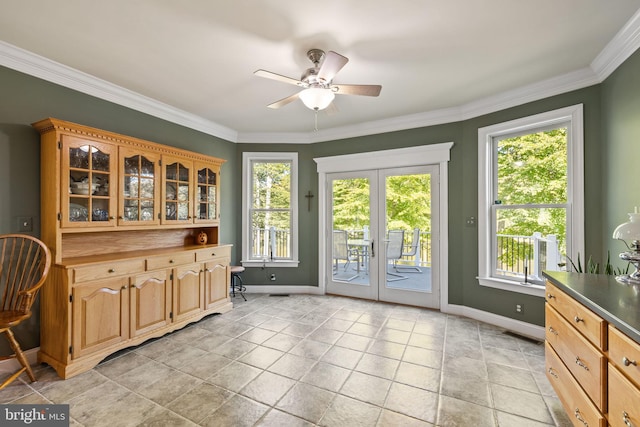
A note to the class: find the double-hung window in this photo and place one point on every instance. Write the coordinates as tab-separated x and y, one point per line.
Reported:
530	199
270	209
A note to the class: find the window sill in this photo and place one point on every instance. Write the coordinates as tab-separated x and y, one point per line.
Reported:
275	263
512	286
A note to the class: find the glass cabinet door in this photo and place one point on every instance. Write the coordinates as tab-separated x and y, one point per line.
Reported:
206	202
140	183
177	191
88	170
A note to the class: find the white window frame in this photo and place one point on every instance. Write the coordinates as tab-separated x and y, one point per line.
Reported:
575	191
247	159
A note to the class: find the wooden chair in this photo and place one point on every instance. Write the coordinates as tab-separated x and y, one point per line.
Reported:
24	266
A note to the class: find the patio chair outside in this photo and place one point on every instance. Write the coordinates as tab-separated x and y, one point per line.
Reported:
341	252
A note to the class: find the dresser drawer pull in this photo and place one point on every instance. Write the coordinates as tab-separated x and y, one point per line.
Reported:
170	261
552	372
627	362
550	296
111	270
579	417
581	364
625	418
578	320
553	331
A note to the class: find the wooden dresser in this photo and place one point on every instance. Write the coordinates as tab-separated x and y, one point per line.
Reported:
592	332
133	228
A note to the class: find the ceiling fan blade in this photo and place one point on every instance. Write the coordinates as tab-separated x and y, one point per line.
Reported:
333	62
273	76
364	90
284	101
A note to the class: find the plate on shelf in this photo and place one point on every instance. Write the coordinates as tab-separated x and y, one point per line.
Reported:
78	212
171	192
147	214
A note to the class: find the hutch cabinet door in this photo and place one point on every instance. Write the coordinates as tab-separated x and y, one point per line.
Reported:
216	279
139	195
207	198
88	181
177	191
188	291
150	302
100	315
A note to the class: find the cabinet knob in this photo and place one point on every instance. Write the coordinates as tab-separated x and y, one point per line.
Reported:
553	331
580	363
170	261
579	417
578	319
552	372
213	254
625	419
123	288
111	270
627	362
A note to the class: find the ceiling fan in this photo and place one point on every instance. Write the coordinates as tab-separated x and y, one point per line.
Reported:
319	90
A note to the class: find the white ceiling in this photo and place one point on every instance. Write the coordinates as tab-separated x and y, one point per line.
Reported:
192	62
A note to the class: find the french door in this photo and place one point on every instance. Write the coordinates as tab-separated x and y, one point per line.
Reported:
382	226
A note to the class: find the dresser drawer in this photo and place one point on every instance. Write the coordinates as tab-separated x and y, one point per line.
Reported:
214	252
573	398
624	400
587	364
587	322
111	269
167	261
625	354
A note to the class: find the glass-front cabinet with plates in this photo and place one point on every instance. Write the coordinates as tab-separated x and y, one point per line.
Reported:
89	167
126	221
178	190
140	188
206	197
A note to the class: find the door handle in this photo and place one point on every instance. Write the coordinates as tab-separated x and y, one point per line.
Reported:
373	252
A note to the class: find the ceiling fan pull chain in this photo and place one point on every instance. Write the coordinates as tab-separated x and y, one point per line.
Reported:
316	121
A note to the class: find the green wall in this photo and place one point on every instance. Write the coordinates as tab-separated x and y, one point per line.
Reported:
612	132
26	100
620	148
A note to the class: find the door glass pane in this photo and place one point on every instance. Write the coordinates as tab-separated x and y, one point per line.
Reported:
408	232
351	224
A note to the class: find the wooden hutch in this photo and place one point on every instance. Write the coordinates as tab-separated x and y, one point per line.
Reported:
123	218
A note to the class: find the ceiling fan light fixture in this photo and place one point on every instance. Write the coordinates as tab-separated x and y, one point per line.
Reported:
316	98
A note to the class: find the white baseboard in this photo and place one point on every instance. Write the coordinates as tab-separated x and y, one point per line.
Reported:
514	325
12	365
285	289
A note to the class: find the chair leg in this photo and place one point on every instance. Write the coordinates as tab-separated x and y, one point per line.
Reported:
21	358
241	288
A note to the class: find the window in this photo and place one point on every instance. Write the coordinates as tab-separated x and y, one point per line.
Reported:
530	198
270	209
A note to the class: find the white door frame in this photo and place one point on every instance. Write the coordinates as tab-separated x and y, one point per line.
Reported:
434	154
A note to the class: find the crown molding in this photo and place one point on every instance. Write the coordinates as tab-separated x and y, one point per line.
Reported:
38	66
625	43
621	47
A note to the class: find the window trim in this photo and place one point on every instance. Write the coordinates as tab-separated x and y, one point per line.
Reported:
247	158
575	192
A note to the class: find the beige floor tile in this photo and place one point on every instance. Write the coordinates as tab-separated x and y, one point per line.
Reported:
345	411
313	360
268	388
306	401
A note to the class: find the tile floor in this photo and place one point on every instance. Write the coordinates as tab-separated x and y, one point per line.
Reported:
307	360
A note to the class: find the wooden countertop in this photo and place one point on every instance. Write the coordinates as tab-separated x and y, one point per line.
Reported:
617	303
